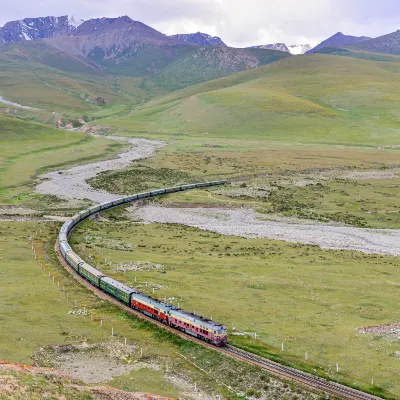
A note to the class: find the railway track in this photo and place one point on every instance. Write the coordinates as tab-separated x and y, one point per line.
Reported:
281	371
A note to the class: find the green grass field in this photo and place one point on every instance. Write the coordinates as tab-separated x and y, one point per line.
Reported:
267	127
313	300
310	99
30	149
35	312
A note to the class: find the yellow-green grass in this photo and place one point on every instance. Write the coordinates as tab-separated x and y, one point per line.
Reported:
28	149
370	203
29	82
319	98
310	299
34	312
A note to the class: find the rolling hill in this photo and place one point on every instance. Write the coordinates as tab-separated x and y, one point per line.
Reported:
117	60
314	98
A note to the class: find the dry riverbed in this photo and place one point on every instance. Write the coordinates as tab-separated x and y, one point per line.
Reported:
71	184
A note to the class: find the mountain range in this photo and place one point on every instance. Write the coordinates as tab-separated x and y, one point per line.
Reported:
338	40
104	60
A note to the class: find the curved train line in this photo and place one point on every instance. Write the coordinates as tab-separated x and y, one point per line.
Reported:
328	387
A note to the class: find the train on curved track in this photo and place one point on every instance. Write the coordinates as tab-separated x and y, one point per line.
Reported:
184	321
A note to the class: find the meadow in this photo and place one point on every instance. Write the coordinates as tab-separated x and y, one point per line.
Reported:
267	129
308	99
36	312
309	299
30	149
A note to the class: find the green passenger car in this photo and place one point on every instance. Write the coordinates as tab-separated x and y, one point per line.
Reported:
91	274
117	289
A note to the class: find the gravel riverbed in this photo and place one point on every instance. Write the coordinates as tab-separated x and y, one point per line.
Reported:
247	223
71	184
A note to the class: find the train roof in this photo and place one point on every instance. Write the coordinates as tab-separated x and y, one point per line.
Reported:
197	318
118	285
153	301
92	270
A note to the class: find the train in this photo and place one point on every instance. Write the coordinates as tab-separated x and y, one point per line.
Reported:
192	324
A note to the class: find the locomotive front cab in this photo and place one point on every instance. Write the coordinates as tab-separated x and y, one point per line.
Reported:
220	336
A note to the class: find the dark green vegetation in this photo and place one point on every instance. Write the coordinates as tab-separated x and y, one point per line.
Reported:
310	299
140	179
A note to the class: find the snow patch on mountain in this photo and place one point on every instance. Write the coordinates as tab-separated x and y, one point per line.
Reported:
273	46
299	48
36	28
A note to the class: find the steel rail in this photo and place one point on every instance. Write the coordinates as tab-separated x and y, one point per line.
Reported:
276	369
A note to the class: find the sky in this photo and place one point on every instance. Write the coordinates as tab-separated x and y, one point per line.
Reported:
239	23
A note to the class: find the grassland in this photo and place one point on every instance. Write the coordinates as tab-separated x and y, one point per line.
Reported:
318	98
29	149
35	312
310	299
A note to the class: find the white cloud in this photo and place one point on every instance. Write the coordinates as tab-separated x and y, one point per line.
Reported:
238	22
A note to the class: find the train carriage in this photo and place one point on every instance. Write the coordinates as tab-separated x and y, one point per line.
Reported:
173	189
73	260
157	192
131	198
151	307
187	187
64	247
91	274
143	195
117	289
118	202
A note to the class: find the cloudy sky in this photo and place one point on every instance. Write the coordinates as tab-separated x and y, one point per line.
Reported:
239	22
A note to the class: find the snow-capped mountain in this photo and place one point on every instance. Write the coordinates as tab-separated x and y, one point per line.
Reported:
202	39
292	49
37	28
273	46
299	48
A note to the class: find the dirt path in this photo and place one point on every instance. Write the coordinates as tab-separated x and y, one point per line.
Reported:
247	223
70	184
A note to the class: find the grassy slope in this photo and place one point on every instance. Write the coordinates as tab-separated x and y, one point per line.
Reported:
43	77
30	148
358	53
305	99
301	295
34	312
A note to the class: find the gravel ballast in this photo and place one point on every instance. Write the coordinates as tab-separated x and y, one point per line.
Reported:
246	223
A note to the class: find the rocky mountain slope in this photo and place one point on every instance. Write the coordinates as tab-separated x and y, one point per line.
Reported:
338	40
36	28
124	59
201	39
384	44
